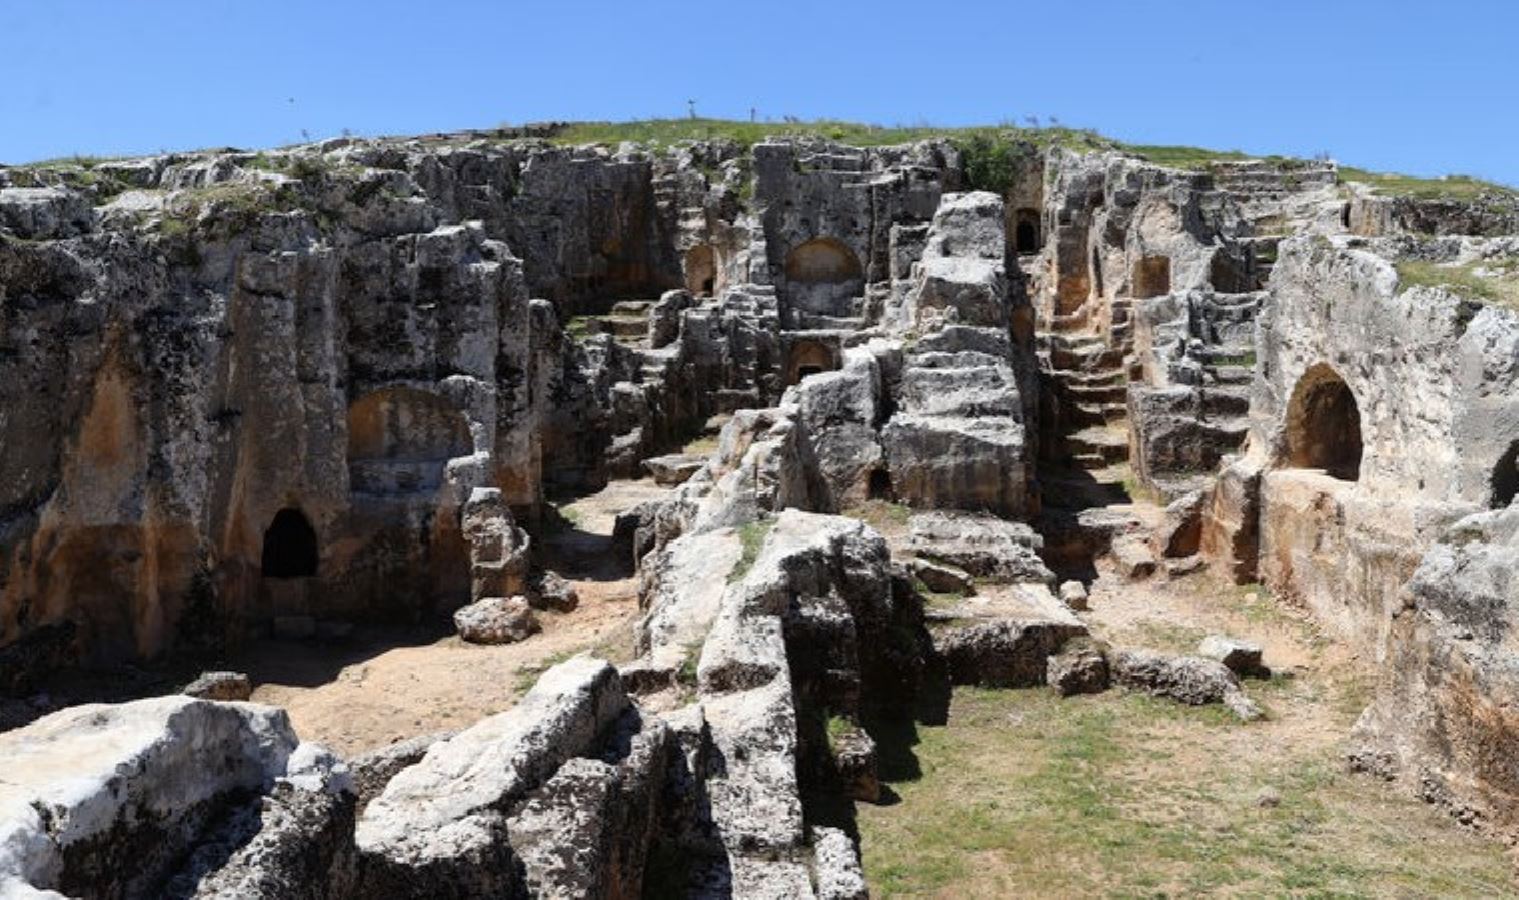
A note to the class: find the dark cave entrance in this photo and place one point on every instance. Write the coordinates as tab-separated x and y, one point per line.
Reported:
879	485
290	549
701	270
809	357
1324	425
1026	231
1506	478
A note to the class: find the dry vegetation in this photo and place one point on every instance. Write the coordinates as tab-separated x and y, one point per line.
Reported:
1023	793
1494	281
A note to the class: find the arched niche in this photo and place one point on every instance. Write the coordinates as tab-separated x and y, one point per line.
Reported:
823	261
1505	483
701	270
809	357
1324	425
290	546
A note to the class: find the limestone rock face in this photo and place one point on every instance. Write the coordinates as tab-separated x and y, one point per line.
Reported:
1442	721
441	825
984	546
958	438
803	635
104	799
962	275
302	843
586	831
43	213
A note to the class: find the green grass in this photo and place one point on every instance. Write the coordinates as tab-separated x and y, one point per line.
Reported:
527	676
703	445
80	161
882	515
1180	157
581	327
685	673
1123	795
660	133
837	727
1450	187
994	156
1494	281
1162	634
938	599
751	536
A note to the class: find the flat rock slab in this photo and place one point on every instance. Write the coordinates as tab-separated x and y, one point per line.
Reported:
226	686
674	469
114	794
982	545
1243	658
439	825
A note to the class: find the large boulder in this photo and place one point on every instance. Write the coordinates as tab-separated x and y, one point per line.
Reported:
105	800
1185	679
496	620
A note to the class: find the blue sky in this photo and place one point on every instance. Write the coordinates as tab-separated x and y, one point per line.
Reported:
1417	87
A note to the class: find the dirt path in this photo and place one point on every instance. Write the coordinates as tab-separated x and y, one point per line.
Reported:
385	685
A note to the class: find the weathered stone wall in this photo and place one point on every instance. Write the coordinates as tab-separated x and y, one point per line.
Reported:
187	405
827	214
1433	375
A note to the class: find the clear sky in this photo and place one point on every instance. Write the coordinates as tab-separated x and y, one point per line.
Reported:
1419	87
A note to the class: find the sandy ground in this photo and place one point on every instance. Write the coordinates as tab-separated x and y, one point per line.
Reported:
386	685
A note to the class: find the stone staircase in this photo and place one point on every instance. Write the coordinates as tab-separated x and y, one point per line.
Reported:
627	322
1196	410
1260	178
1085	417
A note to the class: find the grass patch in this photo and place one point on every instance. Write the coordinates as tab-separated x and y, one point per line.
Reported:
837	727
1181	157
1139	492
882	515
685	673
582	327
938	599
661	133
527	676
705	445
1449	187
752	536
1490	281
1024	794
1160	634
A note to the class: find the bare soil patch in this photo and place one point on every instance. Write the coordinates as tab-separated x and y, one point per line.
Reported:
382	685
